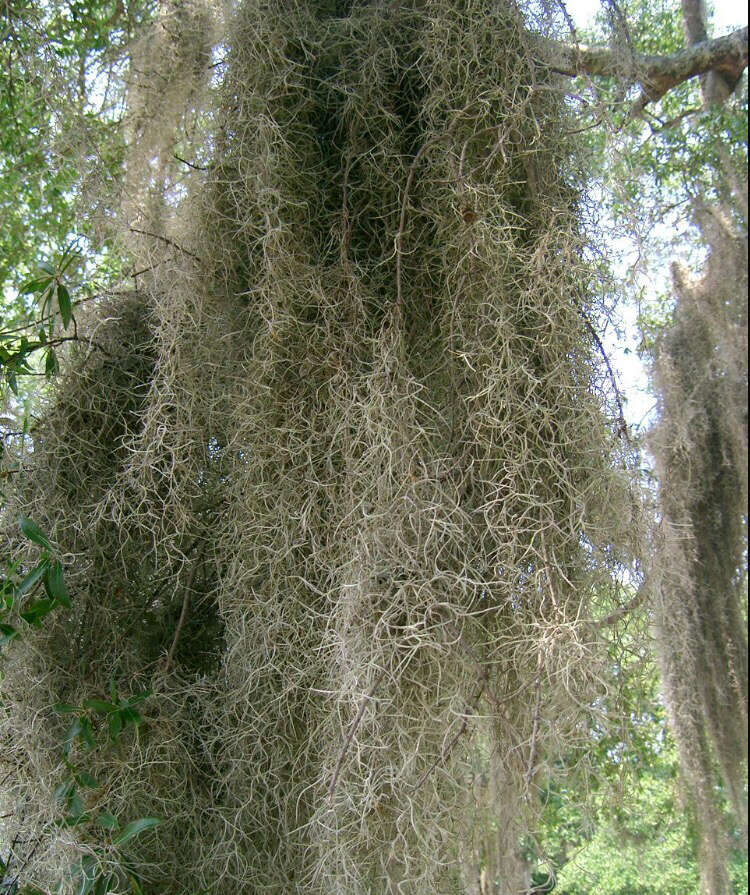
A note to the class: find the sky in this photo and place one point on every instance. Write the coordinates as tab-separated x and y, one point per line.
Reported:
728	14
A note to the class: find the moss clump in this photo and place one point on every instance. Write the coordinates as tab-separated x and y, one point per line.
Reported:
370	464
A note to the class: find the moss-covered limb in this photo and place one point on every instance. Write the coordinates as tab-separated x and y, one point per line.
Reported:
700	445
657	75
378	407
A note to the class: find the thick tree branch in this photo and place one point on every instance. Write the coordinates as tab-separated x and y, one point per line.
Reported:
657	74
716	85
694	21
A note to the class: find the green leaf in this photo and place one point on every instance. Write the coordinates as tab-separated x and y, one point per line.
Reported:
33	532
104	884
13	382
37	285
56	584
65	708
7	589
31	579
63	791
115	725
9	633
51	363
75	804
108	821
85	873
69	255
86	779
130	716
137	698
65	305
86	734
47	268
73	731
75	820
135	828
36	611
101	705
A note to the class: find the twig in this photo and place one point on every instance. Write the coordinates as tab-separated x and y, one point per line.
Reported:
534	730
169	242
39	321
189	164
142	270
28	860
461	730
352	731
90	342
183	616
405	201
622	611
622	426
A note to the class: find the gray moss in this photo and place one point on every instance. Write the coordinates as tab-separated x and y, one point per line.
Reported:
366	451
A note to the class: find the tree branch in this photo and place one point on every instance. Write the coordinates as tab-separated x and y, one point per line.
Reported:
656	74
694	21
622	611
168	242
716	85
352	731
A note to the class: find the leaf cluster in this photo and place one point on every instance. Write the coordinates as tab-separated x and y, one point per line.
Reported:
107	866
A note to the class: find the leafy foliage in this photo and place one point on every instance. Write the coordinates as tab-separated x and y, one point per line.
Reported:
634	833
62	100
108	866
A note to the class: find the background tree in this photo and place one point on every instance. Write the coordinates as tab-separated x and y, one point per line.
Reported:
701	451
689	167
